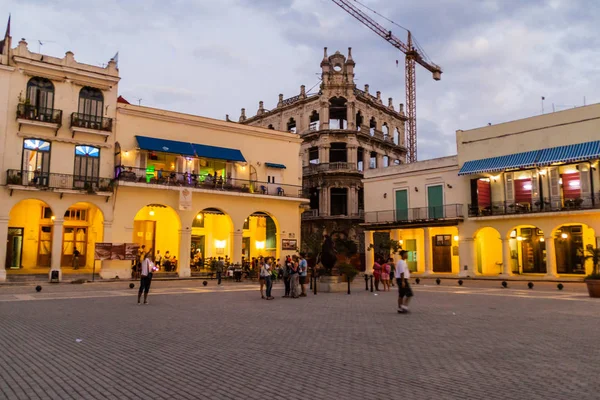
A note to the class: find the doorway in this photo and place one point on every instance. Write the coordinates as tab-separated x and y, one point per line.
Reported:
402	205
74	238
198	247
442	253
246	248
45	246
144	233
411	248
14	248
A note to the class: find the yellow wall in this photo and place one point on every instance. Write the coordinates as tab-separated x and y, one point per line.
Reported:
216	227
452	231
166	231
27	214
488	240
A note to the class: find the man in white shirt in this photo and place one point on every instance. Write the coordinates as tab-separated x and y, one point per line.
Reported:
402	274
146	270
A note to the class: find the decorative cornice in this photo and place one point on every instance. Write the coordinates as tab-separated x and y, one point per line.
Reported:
28	66
192	120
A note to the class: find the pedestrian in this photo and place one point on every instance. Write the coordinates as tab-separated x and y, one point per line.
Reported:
147	268
287	268
392	272
158	259
377	273
303	273
75	258
402	275
220	267
265	272
262	279
385	275
294	278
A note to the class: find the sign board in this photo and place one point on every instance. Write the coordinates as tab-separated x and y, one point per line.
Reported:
454	250
289	244
102	251
131	251
117	251
185	200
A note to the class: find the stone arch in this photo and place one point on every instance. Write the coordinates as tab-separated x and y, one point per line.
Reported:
527	247
83	227
488	251
260	235
211	236
157	227
571	242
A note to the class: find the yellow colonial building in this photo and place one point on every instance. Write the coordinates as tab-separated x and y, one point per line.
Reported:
84	167
521	198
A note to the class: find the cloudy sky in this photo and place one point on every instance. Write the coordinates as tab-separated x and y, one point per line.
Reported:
213	57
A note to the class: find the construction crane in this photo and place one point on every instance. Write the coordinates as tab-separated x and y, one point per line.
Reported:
414	55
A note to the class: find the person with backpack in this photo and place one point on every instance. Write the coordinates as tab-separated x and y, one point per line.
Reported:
287	268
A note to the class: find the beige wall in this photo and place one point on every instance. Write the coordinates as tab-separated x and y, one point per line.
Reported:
258	145
561	128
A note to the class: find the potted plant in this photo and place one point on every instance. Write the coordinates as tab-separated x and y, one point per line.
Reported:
593	280
348	270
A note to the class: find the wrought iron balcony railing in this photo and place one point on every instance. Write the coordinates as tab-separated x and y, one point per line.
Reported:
419	214
547	204
41	114
172	178
95	122
47	180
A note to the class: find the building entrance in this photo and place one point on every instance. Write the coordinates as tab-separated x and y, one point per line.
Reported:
74	238
14	248
442	253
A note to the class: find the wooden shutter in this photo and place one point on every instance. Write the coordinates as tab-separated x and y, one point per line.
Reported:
535	187
586	189
509	188
555	199
142	155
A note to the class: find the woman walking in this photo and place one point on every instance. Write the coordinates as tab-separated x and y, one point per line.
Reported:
385	274
147	268
377	273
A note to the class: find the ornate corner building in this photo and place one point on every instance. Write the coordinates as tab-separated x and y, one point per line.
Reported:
345	131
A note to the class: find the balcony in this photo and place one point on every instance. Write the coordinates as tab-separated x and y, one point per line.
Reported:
93	124
206	182
329	167
417	215
33	180
39	116
540	206
314	214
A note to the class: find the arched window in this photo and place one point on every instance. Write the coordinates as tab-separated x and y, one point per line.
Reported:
396	136
40	93
338	113
87	165
271	127
314	121
385	129
372	126
291	125
359	120
35	167
91	104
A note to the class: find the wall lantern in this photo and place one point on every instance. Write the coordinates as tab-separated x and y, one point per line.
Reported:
542	239
456	238
260	244
385	195
151	213
564	235
199	216
416	189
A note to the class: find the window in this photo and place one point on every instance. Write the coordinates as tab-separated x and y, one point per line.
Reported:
87	163
338	113
271	236
314	121
36	162
291	125
91	104
386	161
40	93
76	214
338	153
270	127
359	120
339	201
313	155
373	160
360	157
372	126
385	129
271	179
443	240
46	212
246	223
198	221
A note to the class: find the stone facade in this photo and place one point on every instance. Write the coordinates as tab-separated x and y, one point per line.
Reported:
345	132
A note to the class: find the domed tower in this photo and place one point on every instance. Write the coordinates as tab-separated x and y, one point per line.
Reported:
345	131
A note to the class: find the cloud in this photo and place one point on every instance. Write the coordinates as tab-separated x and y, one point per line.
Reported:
213	58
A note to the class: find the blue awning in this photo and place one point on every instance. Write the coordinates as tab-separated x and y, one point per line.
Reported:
569	154
494	164
273	165
189	149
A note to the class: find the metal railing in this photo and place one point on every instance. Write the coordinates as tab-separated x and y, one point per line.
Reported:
41	114
47	180
449	211
332	166
96	122
172	178
546	204
313	214
309	214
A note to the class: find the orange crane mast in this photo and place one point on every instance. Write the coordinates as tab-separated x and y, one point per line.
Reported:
413	56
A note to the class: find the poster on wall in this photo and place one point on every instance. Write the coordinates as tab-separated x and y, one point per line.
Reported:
185	200
117	251
289	244
131	251
102	251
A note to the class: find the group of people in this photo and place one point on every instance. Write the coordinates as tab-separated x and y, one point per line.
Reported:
293	271
167	262
383	273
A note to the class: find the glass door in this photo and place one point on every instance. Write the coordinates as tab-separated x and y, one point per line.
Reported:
45	246
14	248
74	238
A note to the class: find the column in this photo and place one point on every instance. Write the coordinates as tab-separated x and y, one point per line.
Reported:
236	246
56	255
369	253
506	259
379	160
427	252
3	239
395	235
324	201
467	257
324	116
185	247
366	159
550	257
352	201
351	156
324	155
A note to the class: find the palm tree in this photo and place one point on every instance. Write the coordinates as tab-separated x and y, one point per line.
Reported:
594	255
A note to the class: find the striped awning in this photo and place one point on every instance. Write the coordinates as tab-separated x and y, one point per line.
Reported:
537	158
494	164
569	154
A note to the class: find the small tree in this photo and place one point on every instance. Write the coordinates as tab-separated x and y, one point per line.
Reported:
594	255
385	247
311	245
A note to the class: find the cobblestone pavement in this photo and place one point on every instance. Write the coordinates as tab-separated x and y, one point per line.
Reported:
478	341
